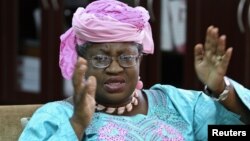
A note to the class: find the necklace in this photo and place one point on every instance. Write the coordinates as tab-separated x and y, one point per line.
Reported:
120	110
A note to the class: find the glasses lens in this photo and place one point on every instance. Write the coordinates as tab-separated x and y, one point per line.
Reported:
127	60
101	61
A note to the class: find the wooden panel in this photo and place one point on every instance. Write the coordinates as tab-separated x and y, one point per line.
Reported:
8	43
223	14
151	64
52	25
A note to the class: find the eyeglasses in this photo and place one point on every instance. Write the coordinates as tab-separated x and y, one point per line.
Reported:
103	61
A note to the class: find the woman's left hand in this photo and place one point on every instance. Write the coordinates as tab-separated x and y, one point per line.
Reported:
212	59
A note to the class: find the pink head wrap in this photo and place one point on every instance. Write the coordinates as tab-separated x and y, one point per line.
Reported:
104	21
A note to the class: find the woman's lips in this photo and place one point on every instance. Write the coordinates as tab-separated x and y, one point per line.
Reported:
114	85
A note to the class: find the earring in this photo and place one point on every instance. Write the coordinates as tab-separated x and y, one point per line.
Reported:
139	84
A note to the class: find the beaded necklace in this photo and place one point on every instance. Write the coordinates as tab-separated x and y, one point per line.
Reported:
120	110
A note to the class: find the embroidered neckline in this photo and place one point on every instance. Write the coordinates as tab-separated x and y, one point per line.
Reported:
120	110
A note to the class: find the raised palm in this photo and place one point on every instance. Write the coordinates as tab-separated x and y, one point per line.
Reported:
212	59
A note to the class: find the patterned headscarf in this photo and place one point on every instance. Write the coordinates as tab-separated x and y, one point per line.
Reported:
104	21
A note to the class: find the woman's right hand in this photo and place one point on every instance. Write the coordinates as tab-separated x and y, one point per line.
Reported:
84	98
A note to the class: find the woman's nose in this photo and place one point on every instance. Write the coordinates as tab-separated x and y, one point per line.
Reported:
114	67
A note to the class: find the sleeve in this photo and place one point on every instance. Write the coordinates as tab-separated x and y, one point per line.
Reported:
243	93
208	112
49	123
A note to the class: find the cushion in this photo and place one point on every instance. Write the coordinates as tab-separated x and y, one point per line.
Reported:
10	125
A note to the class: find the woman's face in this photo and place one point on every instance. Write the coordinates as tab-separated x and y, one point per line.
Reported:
116	68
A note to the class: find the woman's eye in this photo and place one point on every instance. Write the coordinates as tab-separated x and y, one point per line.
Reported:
126	57
101	58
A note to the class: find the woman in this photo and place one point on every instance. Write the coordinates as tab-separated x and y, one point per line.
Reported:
102	53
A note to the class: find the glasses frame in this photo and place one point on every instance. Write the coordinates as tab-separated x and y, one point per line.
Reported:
118	59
